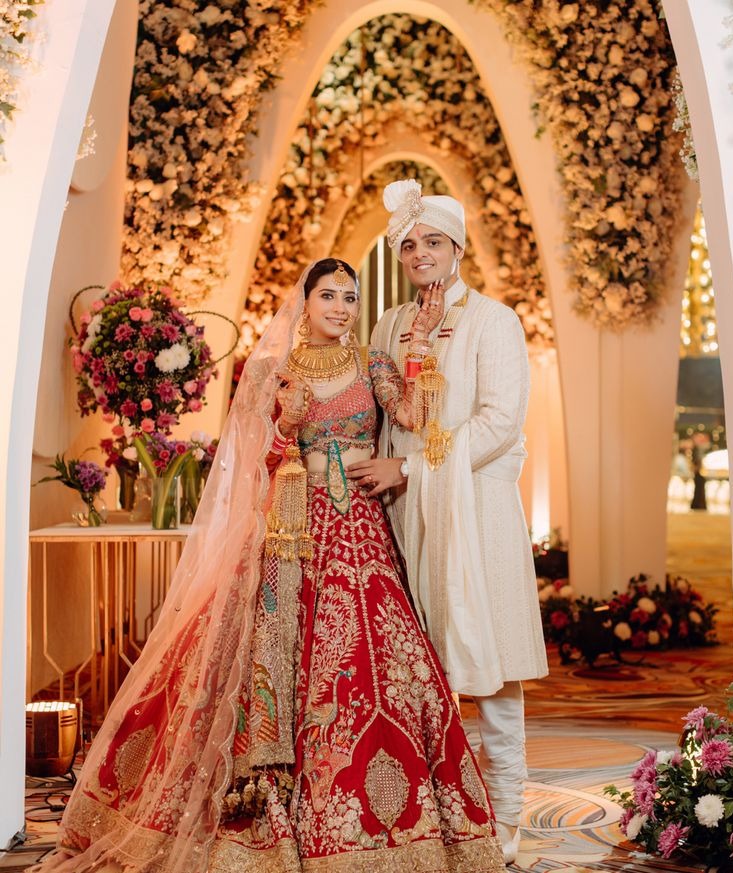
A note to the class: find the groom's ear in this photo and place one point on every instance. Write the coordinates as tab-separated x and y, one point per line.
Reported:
459	252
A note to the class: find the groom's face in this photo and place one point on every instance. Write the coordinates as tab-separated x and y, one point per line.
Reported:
428	255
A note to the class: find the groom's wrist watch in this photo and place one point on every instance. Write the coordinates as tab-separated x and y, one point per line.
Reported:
404	469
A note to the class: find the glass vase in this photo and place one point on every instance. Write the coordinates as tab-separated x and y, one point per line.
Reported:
165	506
89	510
192	486
126	494
141	509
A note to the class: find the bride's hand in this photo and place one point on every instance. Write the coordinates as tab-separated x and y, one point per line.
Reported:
294	396
431	309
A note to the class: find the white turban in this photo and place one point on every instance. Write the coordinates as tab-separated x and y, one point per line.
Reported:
408	207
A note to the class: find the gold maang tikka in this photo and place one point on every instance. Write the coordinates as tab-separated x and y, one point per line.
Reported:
340	276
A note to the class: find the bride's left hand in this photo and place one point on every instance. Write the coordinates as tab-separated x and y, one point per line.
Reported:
379	473
431	309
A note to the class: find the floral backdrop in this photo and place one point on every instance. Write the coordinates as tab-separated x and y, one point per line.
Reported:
396	68
604	76
16	30
200	72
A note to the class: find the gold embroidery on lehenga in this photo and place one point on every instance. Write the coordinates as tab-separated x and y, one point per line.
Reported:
387	788
133	757
232	857
472	783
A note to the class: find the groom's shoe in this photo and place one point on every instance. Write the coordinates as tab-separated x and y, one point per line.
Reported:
509	837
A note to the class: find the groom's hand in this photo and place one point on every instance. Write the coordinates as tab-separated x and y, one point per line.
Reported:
379	474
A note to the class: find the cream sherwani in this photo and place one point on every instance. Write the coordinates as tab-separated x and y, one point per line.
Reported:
461	528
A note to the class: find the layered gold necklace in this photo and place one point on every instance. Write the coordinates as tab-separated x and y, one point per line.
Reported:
321	363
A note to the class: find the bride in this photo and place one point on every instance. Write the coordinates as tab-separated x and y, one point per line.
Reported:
287	713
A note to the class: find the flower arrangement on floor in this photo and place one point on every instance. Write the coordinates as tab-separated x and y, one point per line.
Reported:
87	479
140	359
642	617
681	801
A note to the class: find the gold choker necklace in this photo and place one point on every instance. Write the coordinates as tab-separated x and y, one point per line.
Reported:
321	363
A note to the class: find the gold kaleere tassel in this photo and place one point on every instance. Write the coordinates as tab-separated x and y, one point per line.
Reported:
427	405
286	536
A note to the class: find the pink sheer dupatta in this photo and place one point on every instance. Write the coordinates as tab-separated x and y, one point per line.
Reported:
179	732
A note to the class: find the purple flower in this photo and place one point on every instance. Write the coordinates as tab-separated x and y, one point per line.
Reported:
671	837
644	795
695	720
715	756
646	769
90	475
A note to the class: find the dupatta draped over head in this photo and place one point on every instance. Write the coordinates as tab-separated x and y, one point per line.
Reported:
182	691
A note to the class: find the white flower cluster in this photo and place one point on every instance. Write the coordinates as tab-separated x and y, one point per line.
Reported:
200	71
176	357
604	74
417	74
16	27
709	810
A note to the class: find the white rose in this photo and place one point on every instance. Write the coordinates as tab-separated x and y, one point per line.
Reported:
566	591
638	77
210	15
695	616
186	42
709	810
130	453
647	185
665	756
653	638
636	823
197	454
622	631
616	131
647	604
546	593
174	358
645	123
629	97
618	218
569	13
615	55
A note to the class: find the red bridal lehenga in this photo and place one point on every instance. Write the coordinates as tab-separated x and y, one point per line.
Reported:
355	761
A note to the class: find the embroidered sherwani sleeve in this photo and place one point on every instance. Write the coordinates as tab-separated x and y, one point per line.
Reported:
502	388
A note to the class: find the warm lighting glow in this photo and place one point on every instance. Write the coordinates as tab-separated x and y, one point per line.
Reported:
699	329
51	734
49	706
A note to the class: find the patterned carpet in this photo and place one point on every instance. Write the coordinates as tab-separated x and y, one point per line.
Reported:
585	729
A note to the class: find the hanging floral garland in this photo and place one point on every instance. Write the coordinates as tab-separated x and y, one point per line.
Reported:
16	26
604	77
200	72
414	71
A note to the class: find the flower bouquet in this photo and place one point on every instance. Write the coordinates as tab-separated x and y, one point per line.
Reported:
139	358
164	461
88	479
681	801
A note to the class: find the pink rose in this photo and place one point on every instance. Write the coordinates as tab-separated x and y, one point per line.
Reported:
86	318
146	404
118	430
191	386
147	425
191	330
195	405
139	368
97	305
128	355
135	313
78	363
146	314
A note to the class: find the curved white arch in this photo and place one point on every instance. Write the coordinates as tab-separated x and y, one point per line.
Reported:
41	151
616	492
705	68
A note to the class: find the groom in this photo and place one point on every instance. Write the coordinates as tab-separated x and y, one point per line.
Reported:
461	526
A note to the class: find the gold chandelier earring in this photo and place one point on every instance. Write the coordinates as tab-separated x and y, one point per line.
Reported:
304	329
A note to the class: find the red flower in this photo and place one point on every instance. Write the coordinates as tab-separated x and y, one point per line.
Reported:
639	640
128	408
559	619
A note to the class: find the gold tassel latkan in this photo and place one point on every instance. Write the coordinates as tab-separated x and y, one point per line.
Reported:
286	536
427	406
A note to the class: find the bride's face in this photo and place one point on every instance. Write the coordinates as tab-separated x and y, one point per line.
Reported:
332	309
